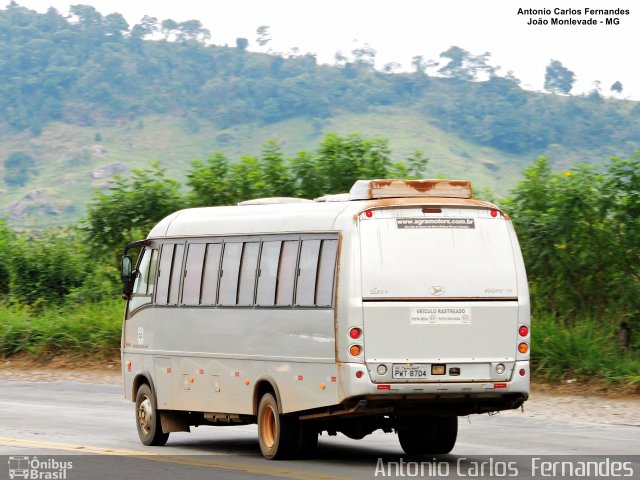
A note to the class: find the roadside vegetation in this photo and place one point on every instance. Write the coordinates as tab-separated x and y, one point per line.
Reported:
579	232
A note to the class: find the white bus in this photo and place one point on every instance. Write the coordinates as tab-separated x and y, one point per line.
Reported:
399	306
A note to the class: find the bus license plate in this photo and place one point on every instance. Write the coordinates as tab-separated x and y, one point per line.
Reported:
412	371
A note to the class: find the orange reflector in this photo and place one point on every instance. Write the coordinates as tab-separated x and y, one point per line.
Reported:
500	385
384	387
246	381
322	386
523	348
128	363
355	350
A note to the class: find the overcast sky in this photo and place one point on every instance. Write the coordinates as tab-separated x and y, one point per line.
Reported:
400	29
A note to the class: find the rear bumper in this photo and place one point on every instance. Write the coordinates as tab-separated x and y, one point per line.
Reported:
459	397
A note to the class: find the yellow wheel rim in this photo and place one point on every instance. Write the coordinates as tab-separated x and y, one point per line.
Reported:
268	426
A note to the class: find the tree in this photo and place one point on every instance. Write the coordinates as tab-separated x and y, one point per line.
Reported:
275	179
391	67
192	30
462	65
19	166
264	37
339	59
46	268
616	87
242	44
115	26
579	235
131	207
147	27
6	256
364	56
353	157
169	28
209	182
558	78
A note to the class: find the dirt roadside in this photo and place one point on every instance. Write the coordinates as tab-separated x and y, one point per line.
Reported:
582	403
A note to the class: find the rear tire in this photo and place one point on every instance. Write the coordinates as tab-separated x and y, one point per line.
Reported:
277	434
432	435
148	418
307	441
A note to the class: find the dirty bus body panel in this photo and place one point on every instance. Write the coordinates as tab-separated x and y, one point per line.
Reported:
398	306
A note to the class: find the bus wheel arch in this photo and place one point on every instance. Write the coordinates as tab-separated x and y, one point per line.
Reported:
266	385
140	379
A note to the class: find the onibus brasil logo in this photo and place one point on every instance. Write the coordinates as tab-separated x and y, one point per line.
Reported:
32	468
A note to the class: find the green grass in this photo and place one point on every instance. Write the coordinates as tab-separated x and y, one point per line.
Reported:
91	330
584	348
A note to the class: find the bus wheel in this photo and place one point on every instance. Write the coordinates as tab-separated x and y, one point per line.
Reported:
148	419
278	435
430	435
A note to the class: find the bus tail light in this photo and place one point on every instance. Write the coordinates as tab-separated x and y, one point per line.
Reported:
523	348
523	330
522	372
355	333
359	374
355	350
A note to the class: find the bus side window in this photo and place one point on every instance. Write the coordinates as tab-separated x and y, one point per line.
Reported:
229	273
269	259
145	279
209	290
193	274
176	270
326	273
307	273
169	274
248	270
286	273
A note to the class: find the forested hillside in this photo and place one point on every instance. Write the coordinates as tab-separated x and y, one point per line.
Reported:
88	96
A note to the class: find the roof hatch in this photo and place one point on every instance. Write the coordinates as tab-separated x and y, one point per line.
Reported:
389	188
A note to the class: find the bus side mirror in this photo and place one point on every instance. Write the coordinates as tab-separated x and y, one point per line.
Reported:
126	269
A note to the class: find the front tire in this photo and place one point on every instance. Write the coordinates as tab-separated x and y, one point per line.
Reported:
277	434
433	435
148	418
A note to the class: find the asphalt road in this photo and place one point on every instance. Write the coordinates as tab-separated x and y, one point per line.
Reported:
54	420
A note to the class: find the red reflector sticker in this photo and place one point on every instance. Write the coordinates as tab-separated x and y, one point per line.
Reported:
500	385
201	372
169	370
334	379
237	374
300	377
384	387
